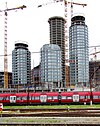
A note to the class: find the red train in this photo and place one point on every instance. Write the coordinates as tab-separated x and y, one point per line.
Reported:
49	98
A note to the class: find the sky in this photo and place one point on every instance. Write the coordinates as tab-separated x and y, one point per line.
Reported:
31	25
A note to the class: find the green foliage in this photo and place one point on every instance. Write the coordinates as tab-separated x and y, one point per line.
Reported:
54	106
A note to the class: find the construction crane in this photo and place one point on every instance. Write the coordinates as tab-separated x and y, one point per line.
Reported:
95	65
5	42
95	56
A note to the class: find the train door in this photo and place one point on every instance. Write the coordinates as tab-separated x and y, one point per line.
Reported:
12	99
43	98
76	98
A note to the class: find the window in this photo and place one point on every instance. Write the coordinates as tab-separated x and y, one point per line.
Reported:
63	97
49	97
1	98
32	98
24	98
55	97
69	97
36	98
95	97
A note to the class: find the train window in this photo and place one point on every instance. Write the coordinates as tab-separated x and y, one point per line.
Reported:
69	97
82	97
32	98
4	98
7	98
63	97
49	97
36	98
18	98
1	98
95	97
24	98
55	97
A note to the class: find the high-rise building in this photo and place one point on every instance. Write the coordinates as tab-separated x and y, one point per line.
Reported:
50	67
21	64
57	36
78	51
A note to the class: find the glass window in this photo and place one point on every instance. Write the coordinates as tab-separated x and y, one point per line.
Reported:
49	97
55	97
69	97
36	98
63	97
95	97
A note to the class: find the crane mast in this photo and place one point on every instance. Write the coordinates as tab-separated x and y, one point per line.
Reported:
5	53
5	43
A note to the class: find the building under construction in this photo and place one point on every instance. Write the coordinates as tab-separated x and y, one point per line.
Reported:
94	72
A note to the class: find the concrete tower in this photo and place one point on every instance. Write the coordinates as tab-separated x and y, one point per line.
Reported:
21	64
78	51
57	36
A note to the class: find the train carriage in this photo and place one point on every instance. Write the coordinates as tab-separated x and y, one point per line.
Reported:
75	97
5	98
52	97
34	98
66	97
81	97
96	97
43	98
20	98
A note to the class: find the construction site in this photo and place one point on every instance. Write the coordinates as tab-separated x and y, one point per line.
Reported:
6	83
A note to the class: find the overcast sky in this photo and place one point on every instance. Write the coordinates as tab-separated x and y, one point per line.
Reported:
31	24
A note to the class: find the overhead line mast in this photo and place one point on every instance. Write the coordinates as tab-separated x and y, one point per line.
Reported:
5	42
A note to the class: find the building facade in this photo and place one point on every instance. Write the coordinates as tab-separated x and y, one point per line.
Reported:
94	73
78	51
36	77
21	64
50	68
57	36
2	79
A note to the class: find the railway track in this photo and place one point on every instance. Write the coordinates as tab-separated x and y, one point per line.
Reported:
51	121
31	124
51	112
54	109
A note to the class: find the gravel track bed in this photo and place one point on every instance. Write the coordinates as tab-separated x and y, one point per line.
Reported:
51	120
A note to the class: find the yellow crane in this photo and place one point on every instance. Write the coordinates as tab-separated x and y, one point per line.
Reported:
5	42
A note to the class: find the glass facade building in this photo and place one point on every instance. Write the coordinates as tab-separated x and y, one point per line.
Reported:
57	36
21	64
50	70
78	51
